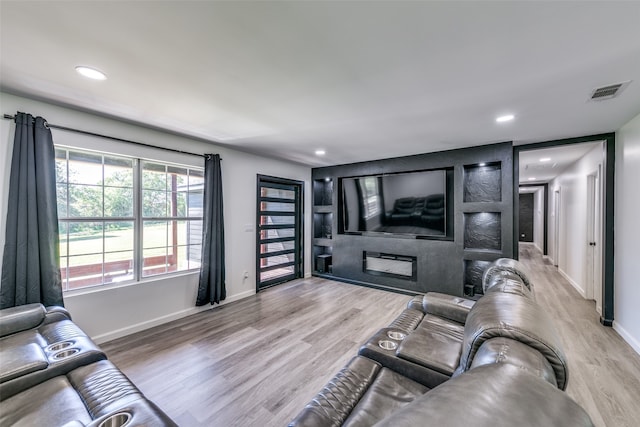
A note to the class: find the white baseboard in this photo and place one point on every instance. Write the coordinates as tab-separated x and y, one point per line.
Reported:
577	287
131	329
627	336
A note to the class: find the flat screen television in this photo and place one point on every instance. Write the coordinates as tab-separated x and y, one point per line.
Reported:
408	204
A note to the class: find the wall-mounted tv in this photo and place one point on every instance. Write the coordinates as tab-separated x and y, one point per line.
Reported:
409	204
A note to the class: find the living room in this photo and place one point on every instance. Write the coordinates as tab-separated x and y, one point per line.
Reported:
257	146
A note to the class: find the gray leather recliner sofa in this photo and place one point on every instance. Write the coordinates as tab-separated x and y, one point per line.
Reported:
53	374
449	361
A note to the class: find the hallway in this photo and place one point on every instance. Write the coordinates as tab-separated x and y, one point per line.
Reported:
604	371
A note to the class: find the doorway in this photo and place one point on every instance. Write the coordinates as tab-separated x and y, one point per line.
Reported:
594	239
556	228
566	202
279	226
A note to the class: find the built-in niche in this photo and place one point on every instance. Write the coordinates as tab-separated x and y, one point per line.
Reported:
322	225
483	231
390	265
483	183
323	192
473	272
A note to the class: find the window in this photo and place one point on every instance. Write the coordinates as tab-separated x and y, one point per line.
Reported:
122	219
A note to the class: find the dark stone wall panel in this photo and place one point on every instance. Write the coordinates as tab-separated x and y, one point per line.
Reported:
473	271
483	183
482	230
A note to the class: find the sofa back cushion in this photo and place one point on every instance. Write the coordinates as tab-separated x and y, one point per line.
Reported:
517	318
506	267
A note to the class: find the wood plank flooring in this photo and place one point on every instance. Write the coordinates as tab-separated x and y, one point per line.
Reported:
258	361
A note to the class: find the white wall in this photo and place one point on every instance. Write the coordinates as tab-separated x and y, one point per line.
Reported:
538	219
627	234
107	313
572	183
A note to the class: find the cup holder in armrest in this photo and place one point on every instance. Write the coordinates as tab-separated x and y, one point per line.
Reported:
120	419
66	353
387	345
396	335
57	346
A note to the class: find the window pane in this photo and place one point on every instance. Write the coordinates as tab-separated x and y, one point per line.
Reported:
278	246
62	229
85	201
275	234
178	179
118	202
177	204
155	261
118	236
85	270
196	180
61	196
274	274
277	206
178	233
194	199
86	238
154	234
154	176
154	204
118	267
195	233
194	253
85	168
276	192
276	260
118	172
272	219
61	166
63	272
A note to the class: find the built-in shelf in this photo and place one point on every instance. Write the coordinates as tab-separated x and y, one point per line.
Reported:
483	230
323	192
482	183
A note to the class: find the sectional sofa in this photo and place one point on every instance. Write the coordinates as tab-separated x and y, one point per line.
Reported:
53	374
450	361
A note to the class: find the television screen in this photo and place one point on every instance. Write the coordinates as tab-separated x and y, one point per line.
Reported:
412	203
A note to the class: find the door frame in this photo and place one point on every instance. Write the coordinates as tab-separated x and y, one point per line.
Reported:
594	236
608	195
299	228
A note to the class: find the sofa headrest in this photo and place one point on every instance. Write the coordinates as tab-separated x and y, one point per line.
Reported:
498	395
508	283
20	318
517	318
503	266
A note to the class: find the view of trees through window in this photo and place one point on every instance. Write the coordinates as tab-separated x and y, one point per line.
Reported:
122	219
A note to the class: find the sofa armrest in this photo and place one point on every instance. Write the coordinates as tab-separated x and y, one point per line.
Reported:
442	305
21	318
56	313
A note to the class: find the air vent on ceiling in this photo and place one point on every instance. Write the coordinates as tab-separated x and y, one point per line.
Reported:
609	91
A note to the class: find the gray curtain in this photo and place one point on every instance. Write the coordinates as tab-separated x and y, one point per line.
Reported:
31	263
211	288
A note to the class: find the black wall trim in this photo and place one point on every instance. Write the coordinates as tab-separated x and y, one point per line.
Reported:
609	172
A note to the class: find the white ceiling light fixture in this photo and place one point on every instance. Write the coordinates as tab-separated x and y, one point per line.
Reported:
91	73
505	118
482	164
545	159
532	179
320	152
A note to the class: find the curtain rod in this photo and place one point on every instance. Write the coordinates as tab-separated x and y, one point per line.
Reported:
84	132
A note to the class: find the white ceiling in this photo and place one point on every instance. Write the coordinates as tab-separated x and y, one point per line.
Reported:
362	80
533	171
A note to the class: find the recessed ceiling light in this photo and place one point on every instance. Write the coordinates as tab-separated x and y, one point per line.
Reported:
506	118
482	164
532	179
320	152
545	159
91	73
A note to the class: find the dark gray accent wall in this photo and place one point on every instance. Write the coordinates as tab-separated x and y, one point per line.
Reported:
526	217
480	181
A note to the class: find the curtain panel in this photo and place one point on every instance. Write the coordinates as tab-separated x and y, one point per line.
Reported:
211	286
31	261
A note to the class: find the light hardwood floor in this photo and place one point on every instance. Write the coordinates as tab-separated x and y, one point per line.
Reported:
258	361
